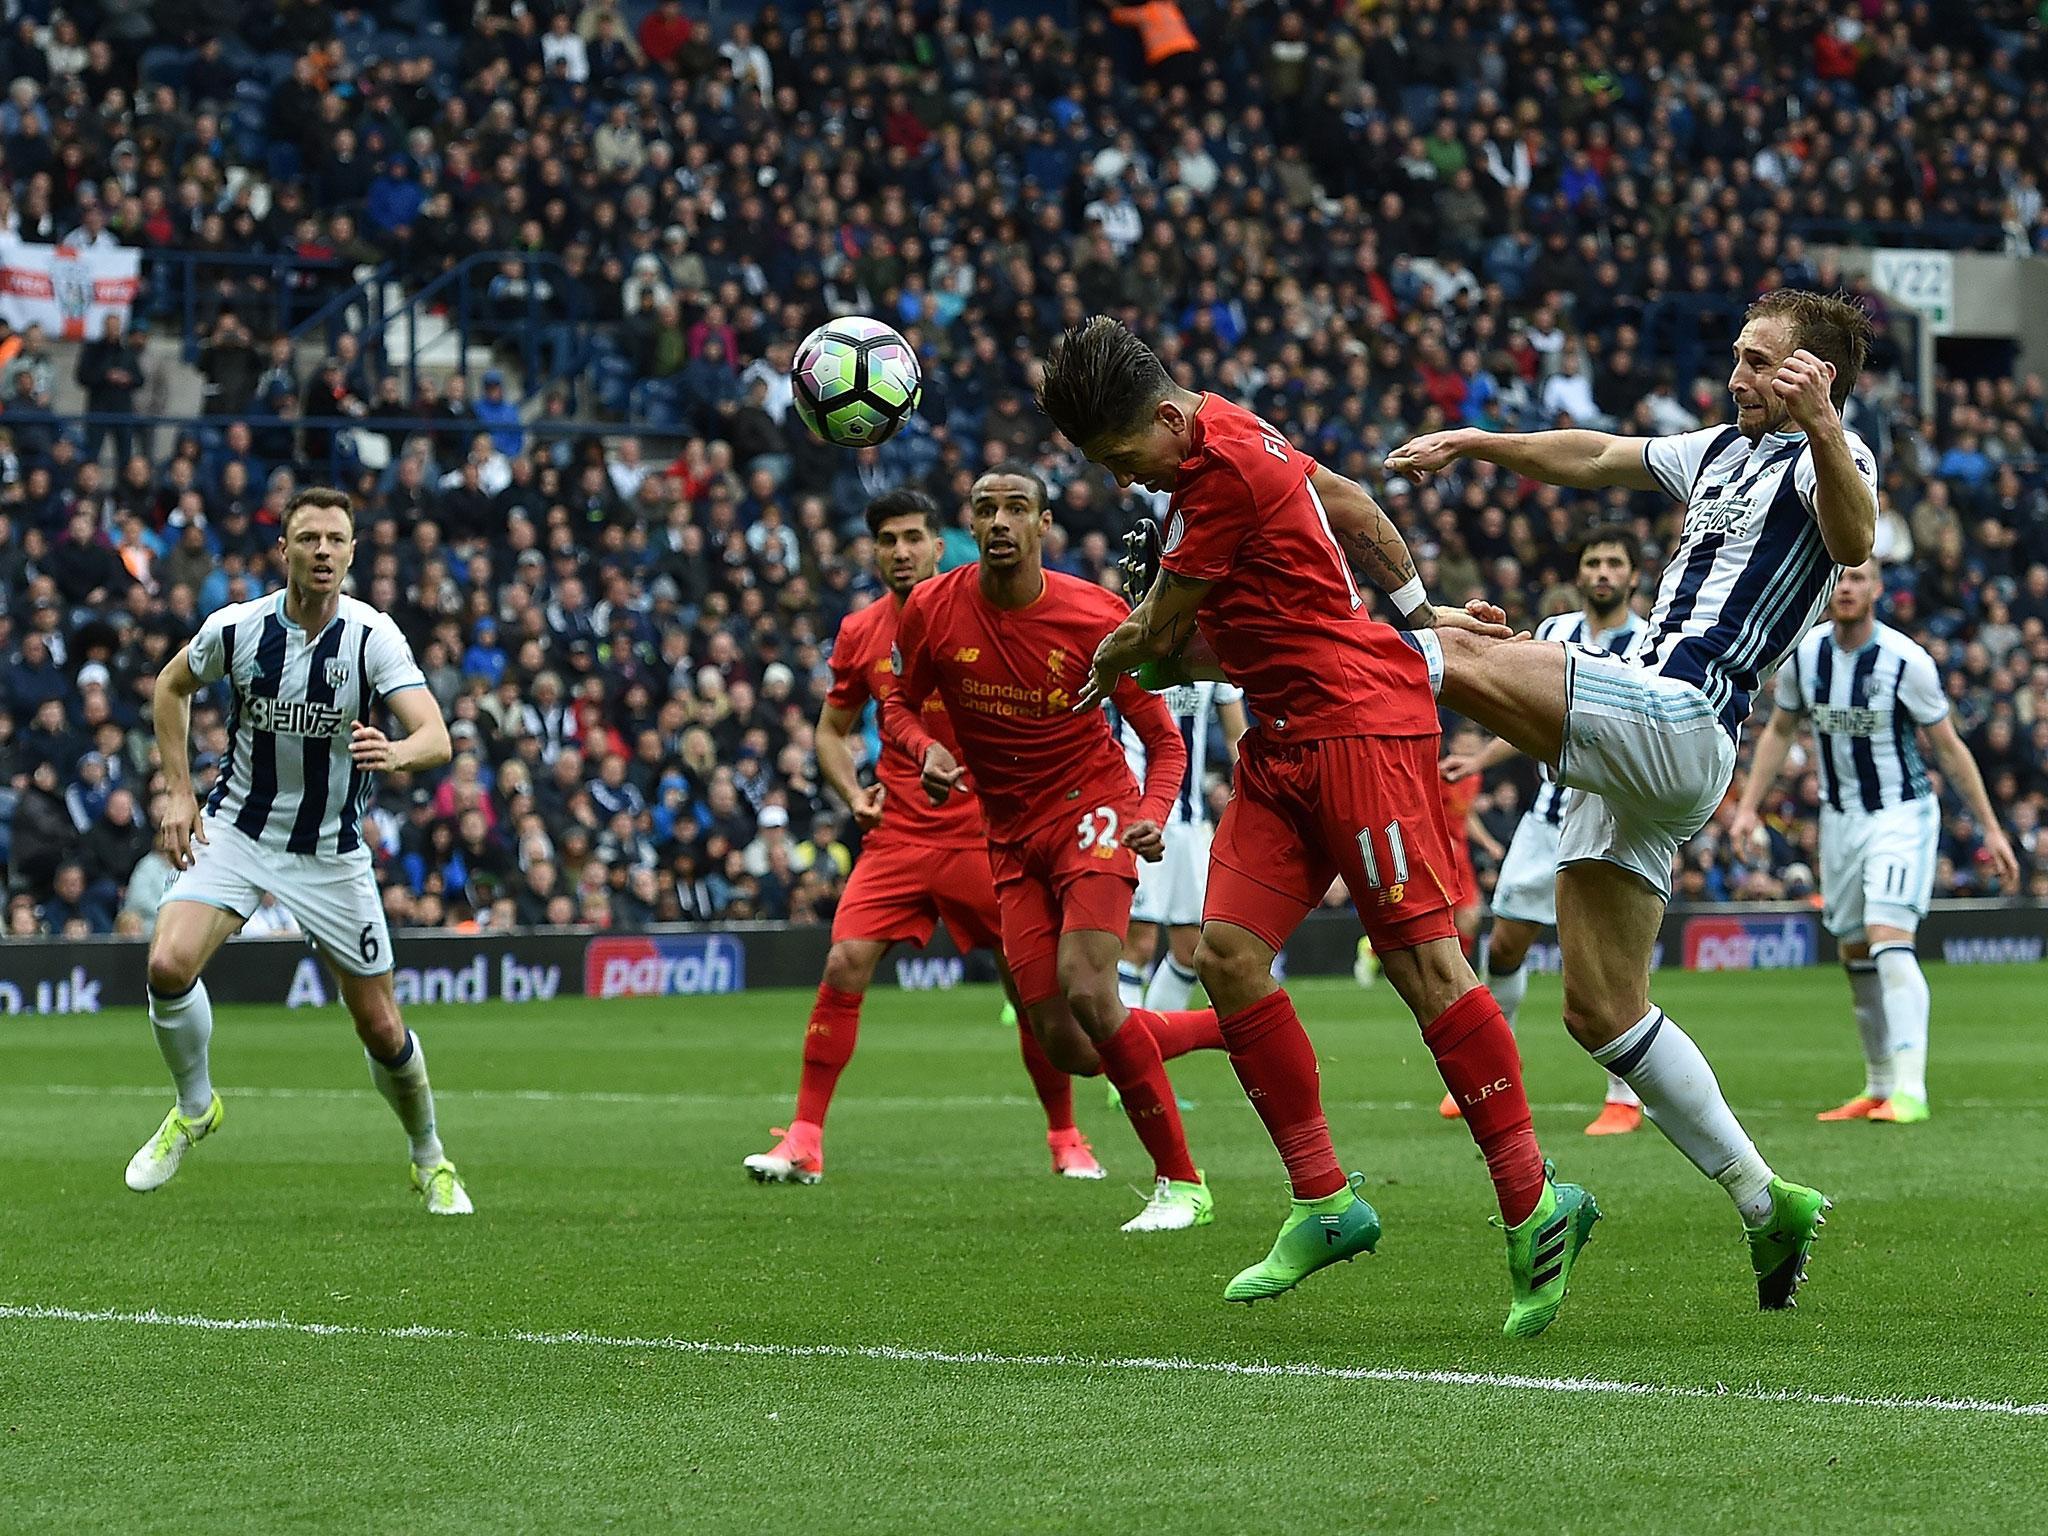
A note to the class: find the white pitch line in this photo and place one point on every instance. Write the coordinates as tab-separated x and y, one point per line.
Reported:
1593	1386
877	1101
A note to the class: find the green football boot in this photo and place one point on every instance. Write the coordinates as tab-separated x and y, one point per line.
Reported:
1542	1249
1778	1248
1900	1109
1316	1233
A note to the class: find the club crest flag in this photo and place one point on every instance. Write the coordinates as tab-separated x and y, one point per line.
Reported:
68	291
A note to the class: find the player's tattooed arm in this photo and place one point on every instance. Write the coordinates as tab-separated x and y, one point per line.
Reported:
1159	627
1373	544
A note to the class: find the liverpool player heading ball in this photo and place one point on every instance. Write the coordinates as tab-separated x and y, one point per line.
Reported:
1338	777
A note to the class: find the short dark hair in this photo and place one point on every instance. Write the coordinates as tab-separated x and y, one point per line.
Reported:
1099	380
904	501
1832	326
1017	469
1608	533
323	497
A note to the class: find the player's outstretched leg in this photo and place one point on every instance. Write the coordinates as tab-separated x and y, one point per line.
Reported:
181	1017
1546	1224
398	1067
1607	920
830	1034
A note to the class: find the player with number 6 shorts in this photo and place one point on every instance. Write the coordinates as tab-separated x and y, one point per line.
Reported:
1869	693
1005	645
308	673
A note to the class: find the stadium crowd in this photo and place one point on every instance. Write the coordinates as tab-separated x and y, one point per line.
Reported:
1364	221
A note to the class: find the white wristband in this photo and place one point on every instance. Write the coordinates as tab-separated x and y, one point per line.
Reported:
1409	596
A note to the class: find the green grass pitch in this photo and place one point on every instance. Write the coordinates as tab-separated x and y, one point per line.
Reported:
944	1337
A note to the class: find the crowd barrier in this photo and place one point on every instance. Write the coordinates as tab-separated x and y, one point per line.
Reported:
70	976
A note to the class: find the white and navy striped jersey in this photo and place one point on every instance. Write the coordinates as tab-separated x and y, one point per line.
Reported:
287	779
1864	706
1574	629
1193	706
1751	572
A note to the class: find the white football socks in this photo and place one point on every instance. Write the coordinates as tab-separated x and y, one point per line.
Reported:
1170	987
1509	990
1680	1094
183	1026
405	1088
1130	985
1866	991
1619	1092
1905	1015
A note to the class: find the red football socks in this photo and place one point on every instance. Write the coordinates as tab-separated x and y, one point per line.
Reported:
1183	1030
1475	1052
828	1046
1055	1088
1271	1054
1130	1060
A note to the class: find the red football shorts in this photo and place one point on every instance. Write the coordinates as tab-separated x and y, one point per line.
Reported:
1301	813
902	890
1070	876
1464	878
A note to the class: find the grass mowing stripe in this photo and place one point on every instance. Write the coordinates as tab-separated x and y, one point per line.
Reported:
872	1101
897	1355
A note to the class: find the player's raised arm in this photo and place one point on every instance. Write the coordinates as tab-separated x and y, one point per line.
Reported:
1587	461
1372	542
175	686
1843	499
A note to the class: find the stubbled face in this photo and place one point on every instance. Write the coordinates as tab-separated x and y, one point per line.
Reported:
318	548
905	553
1008	522
1763	345
1605	577
1856	591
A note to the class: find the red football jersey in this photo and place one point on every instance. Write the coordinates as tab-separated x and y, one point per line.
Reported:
1284	615
862	669
1009	678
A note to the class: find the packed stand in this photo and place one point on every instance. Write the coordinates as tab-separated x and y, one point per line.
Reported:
1365	226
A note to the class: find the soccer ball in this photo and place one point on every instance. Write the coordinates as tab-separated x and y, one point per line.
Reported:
856	382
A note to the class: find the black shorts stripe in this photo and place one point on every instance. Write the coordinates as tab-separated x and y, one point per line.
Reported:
1861	752
318	750
268	678
224	772
349	838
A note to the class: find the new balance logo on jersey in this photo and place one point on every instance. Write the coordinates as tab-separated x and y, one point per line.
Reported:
296	717
967	655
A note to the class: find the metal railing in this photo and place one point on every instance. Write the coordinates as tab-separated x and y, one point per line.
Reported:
273	293
341	456
480	304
